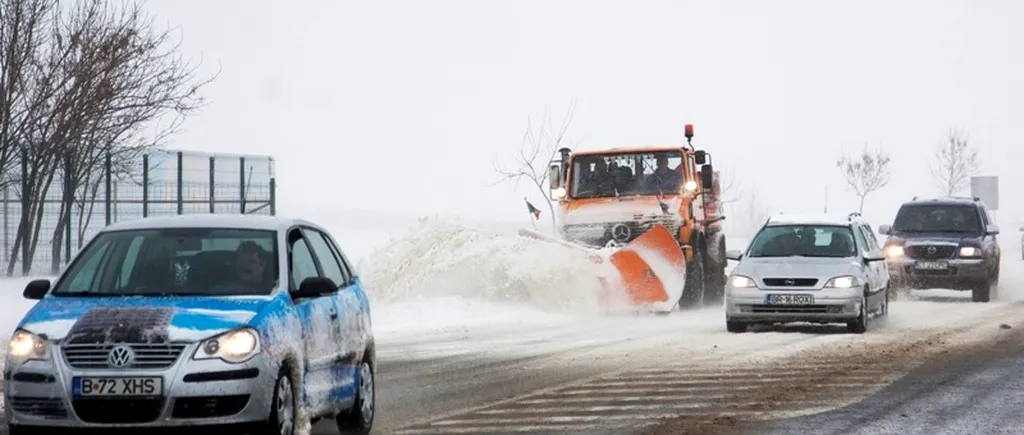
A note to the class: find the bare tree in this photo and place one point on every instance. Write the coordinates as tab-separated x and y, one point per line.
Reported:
536	150
99	79
956	161
865	173
747	212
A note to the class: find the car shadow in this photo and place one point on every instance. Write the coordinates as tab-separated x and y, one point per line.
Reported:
802	328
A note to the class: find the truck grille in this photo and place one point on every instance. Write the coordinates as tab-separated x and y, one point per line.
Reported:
790	282
147	356
600	234
930	252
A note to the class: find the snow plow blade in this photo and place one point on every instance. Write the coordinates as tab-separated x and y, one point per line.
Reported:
651	270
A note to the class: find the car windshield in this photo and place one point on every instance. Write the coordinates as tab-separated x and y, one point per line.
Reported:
937	219
174	262
627	174
804	241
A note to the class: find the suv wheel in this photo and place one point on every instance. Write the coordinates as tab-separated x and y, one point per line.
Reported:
981	292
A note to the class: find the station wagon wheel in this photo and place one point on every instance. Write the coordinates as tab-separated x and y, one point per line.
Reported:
860	325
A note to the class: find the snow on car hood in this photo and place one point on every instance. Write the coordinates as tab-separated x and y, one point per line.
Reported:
798	267
626	208
139	319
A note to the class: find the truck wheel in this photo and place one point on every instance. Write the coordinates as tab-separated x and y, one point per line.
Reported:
693	288
714	285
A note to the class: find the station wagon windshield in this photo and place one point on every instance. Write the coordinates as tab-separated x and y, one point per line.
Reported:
175	262
804	241
625	174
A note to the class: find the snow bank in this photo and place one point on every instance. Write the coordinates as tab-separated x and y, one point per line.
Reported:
471	265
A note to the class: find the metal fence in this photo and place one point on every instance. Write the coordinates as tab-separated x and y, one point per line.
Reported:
162	182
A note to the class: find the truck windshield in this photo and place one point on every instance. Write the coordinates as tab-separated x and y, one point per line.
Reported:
804	241
937	219
598	176
174	262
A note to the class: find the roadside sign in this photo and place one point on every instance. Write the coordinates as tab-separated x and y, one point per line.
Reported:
987	189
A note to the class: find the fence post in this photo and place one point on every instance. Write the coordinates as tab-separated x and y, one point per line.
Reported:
241	183
273	196
108	169
25	212
181	183
213	184
145	185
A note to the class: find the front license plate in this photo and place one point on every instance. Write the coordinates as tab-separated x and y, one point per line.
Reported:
790	299
85	387
931	265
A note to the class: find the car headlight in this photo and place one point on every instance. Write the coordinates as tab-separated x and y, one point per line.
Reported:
969	251
740	281
843	282
235	347
893	252
26	346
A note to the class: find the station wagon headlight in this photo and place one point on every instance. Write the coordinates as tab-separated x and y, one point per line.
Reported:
843	282
26	346
893	252
740	281
970	251
235	347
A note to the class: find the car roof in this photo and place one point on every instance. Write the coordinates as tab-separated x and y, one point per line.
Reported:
812	219
944	200
239	221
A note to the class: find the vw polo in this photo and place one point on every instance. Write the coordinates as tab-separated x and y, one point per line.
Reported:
249	322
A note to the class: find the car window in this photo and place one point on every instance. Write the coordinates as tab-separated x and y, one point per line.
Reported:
302	263
804	241
174	261
346	268
870	236
861	240
328	260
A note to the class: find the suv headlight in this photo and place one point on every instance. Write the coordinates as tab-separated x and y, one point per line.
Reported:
235	346
843	282
740	281
970	251
26	346
894	251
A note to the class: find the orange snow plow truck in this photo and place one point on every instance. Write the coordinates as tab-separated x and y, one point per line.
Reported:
653	213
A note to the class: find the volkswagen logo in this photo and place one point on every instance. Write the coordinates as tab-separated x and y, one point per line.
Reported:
931	249
621	232
121	356
790	282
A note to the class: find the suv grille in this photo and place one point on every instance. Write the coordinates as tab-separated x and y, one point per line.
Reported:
147	356
790	282
930	252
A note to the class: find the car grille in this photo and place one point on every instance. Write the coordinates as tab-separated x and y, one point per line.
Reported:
114	411
210	406
790	282
147	356
921	252
796	309
39	407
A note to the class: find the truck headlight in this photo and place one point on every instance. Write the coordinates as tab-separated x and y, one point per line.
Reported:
893	252
26	346
235	347
970	251
691	186
843	282
740	281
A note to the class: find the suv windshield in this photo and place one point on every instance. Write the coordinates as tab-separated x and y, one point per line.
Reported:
937	219
174	262
804	241
627	174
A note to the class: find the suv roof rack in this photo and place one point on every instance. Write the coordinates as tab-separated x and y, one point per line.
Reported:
947	198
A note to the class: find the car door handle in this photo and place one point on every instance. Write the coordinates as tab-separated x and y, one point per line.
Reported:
334	314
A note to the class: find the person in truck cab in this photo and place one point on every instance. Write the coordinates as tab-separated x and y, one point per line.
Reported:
663	179
599	182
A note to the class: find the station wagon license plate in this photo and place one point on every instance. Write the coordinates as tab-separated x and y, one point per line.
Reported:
790	300
85	387
931	265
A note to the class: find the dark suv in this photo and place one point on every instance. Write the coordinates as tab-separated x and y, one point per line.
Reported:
947	243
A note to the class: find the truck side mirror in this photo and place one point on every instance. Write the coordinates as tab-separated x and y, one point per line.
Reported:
555	176
700	157
707	177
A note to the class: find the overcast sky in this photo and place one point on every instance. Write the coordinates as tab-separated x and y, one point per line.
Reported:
400	108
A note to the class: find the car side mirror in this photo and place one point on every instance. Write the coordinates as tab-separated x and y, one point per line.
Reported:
707	177
35	290
315	287
554	176
992	229
885	230
700	157
876	255
734	254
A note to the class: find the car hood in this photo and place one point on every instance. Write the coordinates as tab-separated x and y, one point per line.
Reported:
798	267
930	238
139	319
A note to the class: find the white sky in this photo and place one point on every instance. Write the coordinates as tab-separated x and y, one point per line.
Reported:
400	108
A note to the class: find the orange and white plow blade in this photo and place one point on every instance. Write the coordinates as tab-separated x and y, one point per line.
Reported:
651	269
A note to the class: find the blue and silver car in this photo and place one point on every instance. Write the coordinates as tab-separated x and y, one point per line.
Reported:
821	269
253	322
